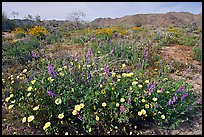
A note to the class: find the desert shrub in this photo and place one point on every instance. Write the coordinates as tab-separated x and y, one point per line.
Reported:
38	31
197	53
20	50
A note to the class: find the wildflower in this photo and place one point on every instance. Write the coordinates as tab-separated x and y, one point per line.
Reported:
51	71
139	113
113	74
66	133
123	65
97	118
65	67
113	88
118	80
143	100
103	91
154	99
89	129
181	88
46	125
139	66
159	91
146	105
33	81
184	96
118	76
122	108
74	112
134	83
7	99
13	101
122	100
88	66
60	116
140	86
11	95
162	116
89	53
24	120
59	69
106	70
58	101
143	111
77	107
61	74
51	93
117	104
30	88
33	54
36	108
124	75
82	105
129	101
50	79
25	70
130	88
12	82
198	101
28	95
147	81
10	106
30	118
165	79
103	104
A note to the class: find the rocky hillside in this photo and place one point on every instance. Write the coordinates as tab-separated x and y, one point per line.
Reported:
167	19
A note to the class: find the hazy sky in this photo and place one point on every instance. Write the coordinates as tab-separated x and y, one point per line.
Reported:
60	10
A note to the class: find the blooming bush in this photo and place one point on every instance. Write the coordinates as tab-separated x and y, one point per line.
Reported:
38	31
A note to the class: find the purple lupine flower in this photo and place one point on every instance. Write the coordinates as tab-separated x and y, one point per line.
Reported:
184	96
89	53
187	71
170	102
145	54
156	105
181	88
129	101
51	71
80	117
122	108
174	98
50	93
151	88
139	66
198	101
106	70
111	52
197	77
33	54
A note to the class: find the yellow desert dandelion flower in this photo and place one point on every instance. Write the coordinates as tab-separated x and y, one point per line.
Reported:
7	99
122	100
147	81
36	108
12	81
28	95
30	88
33	81
74	112
134	83
24	120
113	74
104	104
146	105
97	118
123	65
60	116
77	107
58	101
81	105
65	67
61	74
154	99
139	113
117	104
46	125
30	118
118	80
66	133
143	100
10	106
103	91
25	70
143	111
59	69
162	117
11	95
140	86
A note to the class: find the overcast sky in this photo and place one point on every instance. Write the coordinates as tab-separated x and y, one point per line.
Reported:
93	10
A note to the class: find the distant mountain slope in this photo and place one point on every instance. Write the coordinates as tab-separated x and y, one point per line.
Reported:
167	19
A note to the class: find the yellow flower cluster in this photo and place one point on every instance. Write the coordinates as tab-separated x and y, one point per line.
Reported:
37	30
136	28
18	31
77	108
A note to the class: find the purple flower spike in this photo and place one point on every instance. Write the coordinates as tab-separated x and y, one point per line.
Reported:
50	93
184	96
111	52
51	71
129	101
34	55
139	66
181	88
89	53
198	100
106	70
122	108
